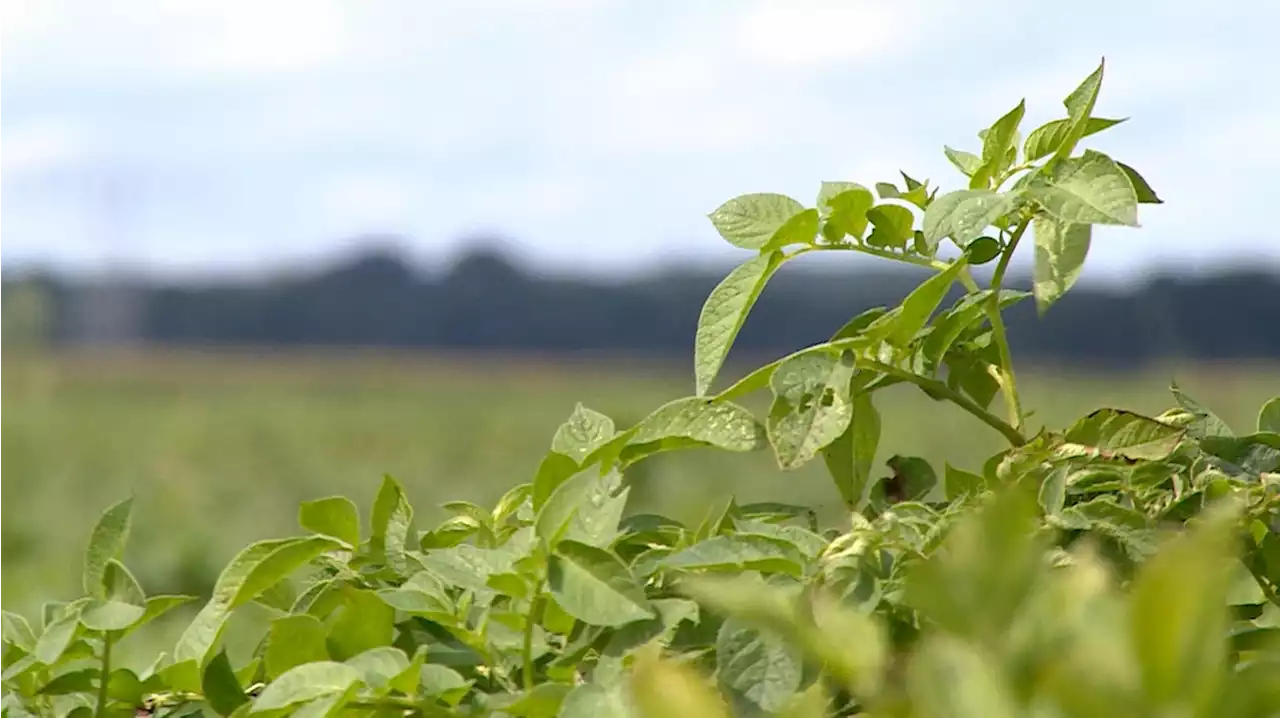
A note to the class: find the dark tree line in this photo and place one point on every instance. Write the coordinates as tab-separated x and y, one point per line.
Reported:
487	302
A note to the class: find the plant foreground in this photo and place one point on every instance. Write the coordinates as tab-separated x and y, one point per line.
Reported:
1126	566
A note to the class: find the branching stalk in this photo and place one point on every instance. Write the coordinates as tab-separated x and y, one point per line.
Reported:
935	264
934	386
1009	384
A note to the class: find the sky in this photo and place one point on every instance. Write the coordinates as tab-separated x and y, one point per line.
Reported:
214	137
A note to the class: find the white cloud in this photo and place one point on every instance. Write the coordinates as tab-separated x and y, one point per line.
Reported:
819	35
372	201
36	148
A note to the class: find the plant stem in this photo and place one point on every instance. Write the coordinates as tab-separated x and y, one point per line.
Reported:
934	386
1009	384
104	676
936	264
526	651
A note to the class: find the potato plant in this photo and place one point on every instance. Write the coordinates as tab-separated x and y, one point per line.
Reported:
1124	566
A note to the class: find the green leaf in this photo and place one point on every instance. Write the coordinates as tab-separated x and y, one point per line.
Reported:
966	162
252	571
155	607
467	566
1269	416
334	516
1053	491
721	424
410	679
672	613
1254	453
17	631
757	666
106	543
962	483
444	683
592	700
1000	138
124	685
293	641
221	688
543	701
304	683
949	678
182	675
103	614
830	190
811	406
1091	189
584	432
850	457
759	379
670	689
1061	249
1206	422
595	586
57	636
327	706
920	304
855	326
987	566
892	224
364	622
379	667
1145	194
913	479
423	593
724	313
82	681
751	220
851	646
279	563
1047	138
1079	106
847	204
982	250
587	507
739	552
800	229
391	519
121	585
1116	432
552	472
968	310
964	215
1178	617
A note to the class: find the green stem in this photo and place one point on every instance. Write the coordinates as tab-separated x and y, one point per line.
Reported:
1009	384
938	388
526	651
936	264
104	676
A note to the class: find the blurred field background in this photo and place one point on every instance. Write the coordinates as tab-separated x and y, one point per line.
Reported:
219	448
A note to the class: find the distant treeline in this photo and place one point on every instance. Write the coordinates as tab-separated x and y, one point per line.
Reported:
488	302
